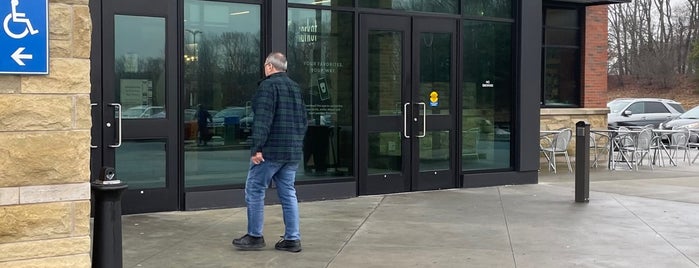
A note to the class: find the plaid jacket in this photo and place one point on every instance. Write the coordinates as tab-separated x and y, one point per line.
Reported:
279	123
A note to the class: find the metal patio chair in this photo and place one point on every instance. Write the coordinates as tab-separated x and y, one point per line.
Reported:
555	145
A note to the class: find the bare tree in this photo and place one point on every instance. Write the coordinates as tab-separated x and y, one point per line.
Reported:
651	40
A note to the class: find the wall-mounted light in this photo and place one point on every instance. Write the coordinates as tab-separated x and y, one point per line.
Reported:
320	2
239	13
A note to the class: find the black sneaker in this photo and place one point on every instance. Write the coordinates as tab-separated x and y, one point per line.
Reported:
249	242
288	245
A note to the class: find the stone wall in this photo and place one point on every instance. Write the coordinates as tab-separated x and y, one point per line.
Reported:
557	118
44	150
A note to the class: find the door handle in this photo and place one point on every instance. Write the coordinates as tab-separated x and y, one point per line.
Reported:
118	107
92	105
405	120
424	119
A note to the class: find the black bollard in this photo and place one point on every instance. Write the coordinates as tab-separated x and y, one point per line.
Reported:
582	161
106	244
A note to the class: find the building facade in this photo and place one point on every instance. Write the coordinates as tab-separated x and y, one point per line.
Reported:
402	96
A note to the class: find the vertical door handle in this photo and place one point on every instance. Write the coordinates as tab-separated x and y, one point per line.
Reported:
424	120
405	120
118	107
92	105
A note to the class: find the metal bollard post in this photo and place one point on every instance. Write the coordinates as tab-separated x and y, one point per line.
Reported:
582	161
106	245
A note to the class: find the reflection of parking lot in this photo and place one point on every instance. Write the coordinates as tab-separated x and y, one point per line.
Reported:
232	121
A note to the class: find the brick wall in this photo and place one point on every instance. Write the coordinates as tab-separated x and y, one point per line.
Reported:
44	150
595	58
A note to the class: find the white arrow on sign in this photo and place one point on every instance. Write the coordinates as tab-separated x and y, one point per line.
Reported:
18	56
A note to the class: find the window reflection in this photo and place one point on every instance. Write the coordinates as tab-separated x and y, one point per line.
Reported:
487	96
489	8
561	81
346	3
222	53
139	66
441	6
320	56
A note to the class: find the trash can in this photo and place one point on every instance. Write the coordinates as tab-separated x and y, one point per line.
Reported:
231	125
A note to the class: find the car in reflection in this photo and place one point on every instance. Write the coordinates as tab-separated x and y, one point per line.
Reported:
143	111
641	111
233	116
689	119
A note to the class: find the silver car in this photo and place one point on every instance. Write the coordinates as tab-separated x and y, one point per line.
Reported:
642	111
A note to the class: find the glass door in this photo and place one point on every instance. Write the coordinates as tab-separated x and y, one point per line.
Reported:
134	96
405	104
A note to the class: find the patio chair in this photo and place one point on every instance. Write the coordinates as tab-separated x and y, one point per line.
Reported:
679	141
557	144
641	147
599	143
469	145
693	142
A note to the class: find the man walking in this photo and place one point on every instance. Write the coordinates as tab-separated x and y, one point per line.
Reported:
279	127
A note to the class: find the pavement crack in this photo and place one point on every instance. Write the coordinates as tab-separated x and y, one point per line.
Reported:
507	227
339	251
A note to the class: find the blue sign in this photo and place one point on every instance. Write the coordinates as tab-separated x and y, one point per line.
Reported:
24	37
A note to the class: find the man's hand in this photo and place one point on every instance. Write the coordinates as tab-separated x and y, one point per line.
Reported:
257	158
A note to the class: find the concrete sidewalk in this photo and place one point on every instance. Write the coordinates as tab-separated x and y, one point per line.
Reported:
634	219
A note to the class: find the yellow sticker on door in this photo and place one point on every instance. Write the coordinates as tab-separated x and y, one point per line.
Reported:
434	99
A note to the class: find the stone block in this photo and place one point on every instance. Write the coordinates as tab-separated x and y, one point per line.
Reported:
81	215
44	248
37	221
60	21
65	76
9	196
54	193
83	112
71	261
82	32
9	83
43	158
60	48
36	112
70	2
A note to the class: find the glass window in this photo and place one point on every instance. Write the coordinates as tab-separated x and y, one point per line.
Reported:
561	37
320	54
139	58
561	71
489	8
655	107
222	53
435	71
345	3
636	108
141	163
488	96
561	17
440	6
677	107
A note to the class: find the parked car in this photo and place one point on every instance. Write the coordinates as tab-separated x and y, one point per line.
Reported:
144	111
642	111
689	119
237	115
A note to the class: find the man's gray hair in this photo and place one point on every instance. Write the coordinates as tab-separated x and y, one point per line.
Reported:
278	60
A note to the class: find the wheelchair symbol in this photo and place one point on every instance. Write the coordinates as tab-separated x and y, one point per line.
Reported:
17	17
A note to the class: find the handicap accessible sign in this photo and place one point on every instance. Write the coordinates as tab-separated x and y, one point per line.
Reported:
24	37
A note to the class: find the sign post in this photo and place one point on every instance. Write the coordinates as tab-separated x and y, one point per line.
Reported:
24	37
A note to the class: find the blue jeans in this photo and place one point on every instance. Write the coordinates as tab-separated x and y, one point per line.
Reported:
259	177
